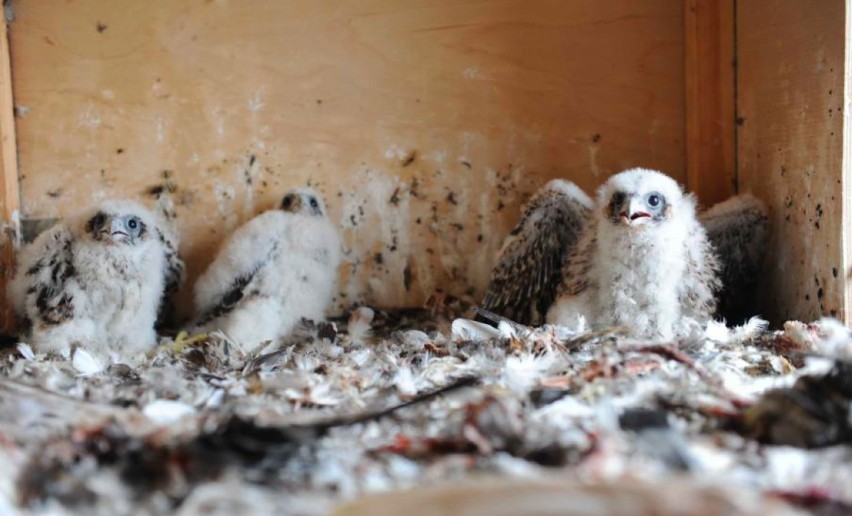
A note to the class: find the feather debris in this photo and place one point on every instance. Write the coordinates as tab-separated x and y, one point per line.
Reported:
545	398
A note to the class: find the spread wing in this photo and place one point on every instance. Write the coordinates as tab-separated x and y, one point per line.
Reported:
41	290
234	274
737	228
529	267
174	271
577	285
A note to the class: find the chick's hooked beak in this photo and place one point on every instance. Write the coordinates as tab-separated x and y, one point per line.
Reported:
115	230
635	213
292	203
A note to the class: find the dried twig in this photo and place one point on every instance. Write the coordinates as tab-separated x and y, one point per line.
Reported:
670	351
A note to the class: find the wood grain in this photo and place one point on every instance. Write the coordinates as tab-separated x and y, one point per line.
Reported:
847	168
424	122
9	192
710	106
792	64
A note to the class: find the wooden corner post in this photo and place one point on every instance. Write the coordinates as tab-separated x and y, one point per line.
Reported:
9	186
710	99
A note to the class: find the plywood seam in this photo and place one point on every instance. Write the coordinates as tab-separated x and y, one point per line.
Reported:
710	99
10	180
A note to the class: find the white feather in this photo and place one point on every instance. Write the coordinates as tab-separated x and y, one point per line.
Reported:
26	351
835	339
524	372
404	381
166	412
85	363
359	325
465	329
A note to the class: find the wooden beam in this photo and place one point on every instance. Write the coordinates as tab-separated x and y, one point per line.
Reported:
9	187
710	107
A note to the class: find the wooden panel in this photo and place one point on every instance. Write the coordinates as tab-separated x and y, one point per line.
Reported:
791	58
424	122
847	167
9	194
710	113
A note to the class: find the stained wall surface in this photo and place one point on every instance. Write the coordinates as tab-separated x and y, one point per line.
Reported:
423	122
793	68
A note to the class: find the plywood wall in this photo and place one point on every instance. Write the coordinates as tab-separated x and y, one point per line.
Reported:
792	67
424	122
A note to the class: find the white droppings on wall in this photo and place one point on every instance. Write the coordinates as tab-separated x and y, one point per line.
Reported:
375	224
161	129
396	152
439	157
224	195
593	160
255	103
88	118
217	116
98	195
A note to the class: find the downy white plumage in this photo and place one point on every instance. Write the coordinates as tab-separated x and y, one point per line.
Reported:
97	280
643	262
276	269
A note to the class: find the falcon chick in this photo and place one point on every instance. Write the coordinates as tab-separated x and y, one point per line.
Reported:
97	280
635	257
535	251
643	262
276	269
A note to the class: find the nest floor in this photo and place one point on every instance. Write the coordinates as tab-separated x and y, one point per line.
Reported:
421	411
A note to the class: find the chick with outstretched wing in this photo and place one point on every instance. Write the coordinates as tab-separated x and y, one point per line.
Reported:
529	267
644	262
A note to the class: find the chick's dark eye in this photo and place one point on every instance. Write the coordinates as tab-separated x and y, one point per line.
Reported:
314	203
654	200
288	201
99	219
133	223
618	198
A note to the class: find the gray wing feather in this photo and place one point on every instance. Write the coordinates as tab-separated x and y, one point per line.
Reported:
737	229
238	270
529	268
40	287
240	289
174	273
